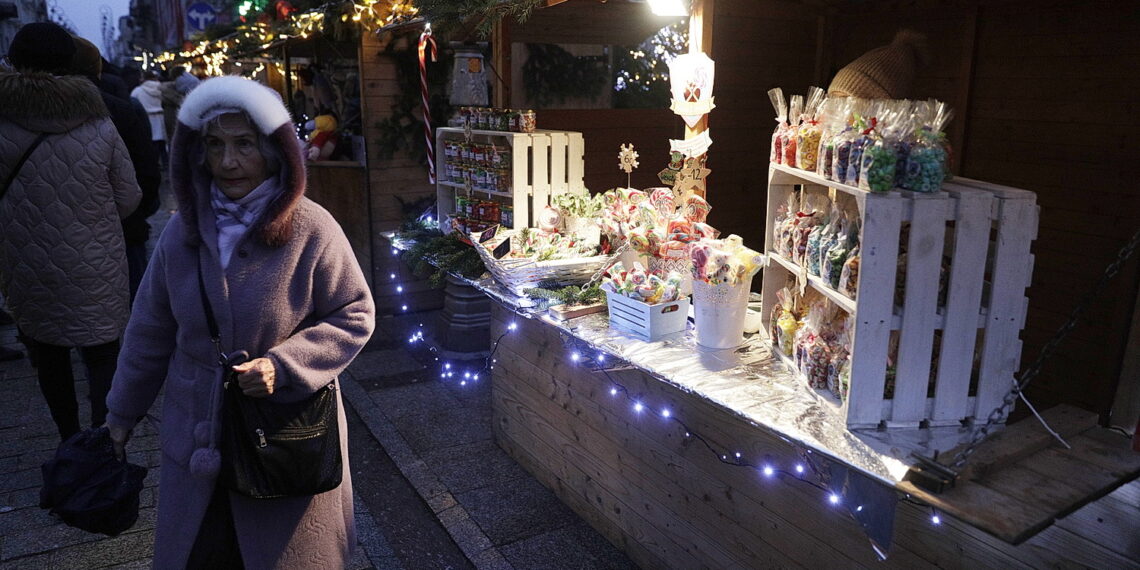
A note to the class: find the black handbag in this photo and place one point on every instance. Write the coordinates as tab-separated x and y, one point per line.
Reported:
271	449
88	488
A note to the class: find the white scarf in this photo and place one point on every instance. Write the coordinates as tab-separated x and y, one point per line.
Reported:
234	217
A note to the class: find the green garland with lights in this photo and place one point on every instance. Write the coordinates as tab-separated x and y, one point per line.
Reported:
438	255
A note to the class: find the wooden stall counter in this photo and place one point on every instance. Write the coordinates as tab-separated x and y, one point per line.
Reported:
687	458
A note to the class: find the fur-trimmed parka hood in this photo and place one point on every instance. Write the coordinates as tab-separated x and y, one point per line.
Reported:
191	178
45	103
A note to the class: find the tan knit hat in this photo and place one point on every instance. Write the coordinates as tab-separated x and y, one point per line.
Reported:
885	72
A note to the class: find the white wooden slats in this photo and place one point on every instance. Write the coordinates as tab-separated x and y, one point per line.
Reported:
970	242
882	220
984	296
920	307
1000	356
544	164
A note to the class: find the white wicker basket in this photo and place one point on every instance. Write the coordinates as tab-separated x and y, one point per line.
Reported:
519	274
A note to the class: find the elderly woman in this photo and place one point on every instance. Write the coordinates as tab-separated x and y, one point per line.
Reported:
284	286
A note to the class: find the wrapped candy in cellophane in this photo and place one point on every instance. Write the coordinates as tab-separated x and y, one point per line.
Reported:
776	95
637	283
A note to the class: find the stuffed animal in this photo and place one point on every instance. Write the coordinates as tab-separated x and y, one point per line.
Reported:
322	138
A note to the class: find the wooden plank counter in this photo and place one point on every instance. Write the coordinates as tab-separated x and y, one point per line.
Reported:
656	490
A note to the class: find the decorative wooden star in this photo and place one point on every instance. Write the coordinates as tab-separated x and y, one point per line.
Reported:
627	158
690	179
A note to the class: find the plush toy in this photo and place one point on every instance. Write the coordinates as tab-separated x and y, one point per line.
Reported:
322	138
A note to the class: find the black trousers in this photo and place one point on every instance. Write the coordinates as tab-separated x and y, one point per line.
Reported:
57	381
216	547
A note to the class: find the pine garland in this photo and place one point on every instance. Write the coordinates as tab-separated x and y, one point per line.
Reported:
572	295
454	13
440	255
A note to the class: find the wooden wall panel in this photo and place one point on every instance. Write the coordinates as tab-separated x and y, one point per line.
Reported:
387	179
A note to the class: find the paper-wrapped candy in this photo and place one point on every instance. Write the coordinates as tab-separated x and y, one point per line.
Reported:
726	261
641	285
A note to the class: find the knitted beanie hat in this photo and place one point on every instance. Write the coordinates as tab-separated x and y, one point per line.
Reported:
885	72
42	46
87	60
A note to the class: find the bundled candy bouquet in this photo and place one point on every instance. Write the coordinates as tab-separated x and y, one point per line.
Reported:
724	261
653	223
636	283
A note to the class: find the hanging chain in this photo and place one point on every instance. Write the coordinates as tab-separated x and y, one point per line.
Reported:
606	266
1050	347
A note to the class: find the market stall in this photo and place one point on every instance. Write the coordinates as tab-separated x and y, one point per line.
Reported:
837	416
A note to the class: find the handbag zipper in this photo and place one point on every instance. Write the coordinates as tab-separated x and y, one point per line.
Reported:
260	437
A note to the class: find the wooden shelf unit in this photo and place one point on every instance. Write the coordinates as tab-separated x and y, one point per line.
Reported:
983	233
543	164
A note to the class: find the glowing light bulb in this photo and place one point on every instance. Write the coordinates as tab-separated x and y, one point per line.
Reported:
935	519
799	468
399	288
637	407
768	471
613	391
834	499
665	413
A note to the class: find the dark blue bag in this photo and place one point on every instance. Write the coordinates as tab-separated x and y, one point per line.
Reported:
88	488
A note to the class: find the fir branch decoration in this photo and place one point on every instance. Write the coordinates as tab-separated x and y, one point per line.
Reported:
553	75
440	255
449	14
572	295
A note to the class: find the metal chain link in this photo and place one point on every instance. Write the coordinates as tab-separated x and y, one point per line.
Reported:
1050	347
606	266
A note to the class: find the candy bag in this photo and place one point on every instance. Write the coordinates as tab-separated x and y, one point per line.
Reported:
776	95
863	126
926	164
840	356
810	131
788	137
835	258
834	112
849	275
877	168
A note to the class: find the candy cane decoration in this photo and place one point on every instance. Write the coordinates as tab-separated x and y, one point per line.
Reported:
427	40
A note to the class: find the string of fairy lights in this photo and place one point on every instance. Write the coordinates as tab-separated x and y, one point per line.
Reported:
804	469
257	37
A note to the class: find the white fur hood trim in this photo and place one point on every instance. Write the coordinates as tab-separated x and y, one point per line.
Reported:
263	104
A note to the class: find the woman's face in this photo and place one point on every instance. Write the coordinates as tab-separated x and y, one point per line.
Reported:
234	157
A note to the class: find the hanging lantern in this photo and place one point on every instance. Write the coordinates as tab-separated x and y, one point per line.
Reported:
468	78
691	83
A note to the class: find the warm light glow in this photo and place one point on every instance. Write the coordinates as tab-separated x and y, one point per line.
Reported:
669	7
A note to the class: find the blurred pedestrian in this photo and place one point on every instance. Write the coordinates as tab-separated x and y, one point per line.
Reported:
184	81
69	182
285	287
133	125
149	94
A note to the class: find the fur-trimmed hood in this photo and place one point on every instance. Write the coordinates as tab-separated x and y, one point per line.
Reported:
45	103
190	177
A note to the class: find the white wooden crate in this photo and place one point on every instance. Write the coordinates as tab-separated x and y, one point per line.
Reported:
544	164
645	321
985	232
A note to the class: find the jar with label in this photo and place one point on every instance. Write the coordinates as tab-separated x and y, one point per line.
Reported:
478	153
504	120
460	206
507	216
513	117
527	121
491	213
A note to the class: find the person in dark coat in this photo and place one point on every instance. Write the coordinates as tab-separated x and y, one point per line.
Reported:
131	121
111	80
63	267
285	287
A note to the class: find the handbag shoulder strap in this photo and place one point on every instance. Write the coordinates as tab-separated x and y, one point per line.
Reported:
20	163
215	336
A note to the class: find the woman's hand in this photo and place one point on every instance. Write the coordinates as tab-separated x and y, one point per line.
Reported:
119	437
256	377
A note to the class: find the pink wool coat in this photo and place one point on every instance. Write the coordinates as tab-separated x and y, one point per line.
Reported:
293	293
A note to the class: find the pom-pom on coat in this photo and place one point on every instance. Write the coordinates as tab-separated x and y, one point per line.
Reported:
292	292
